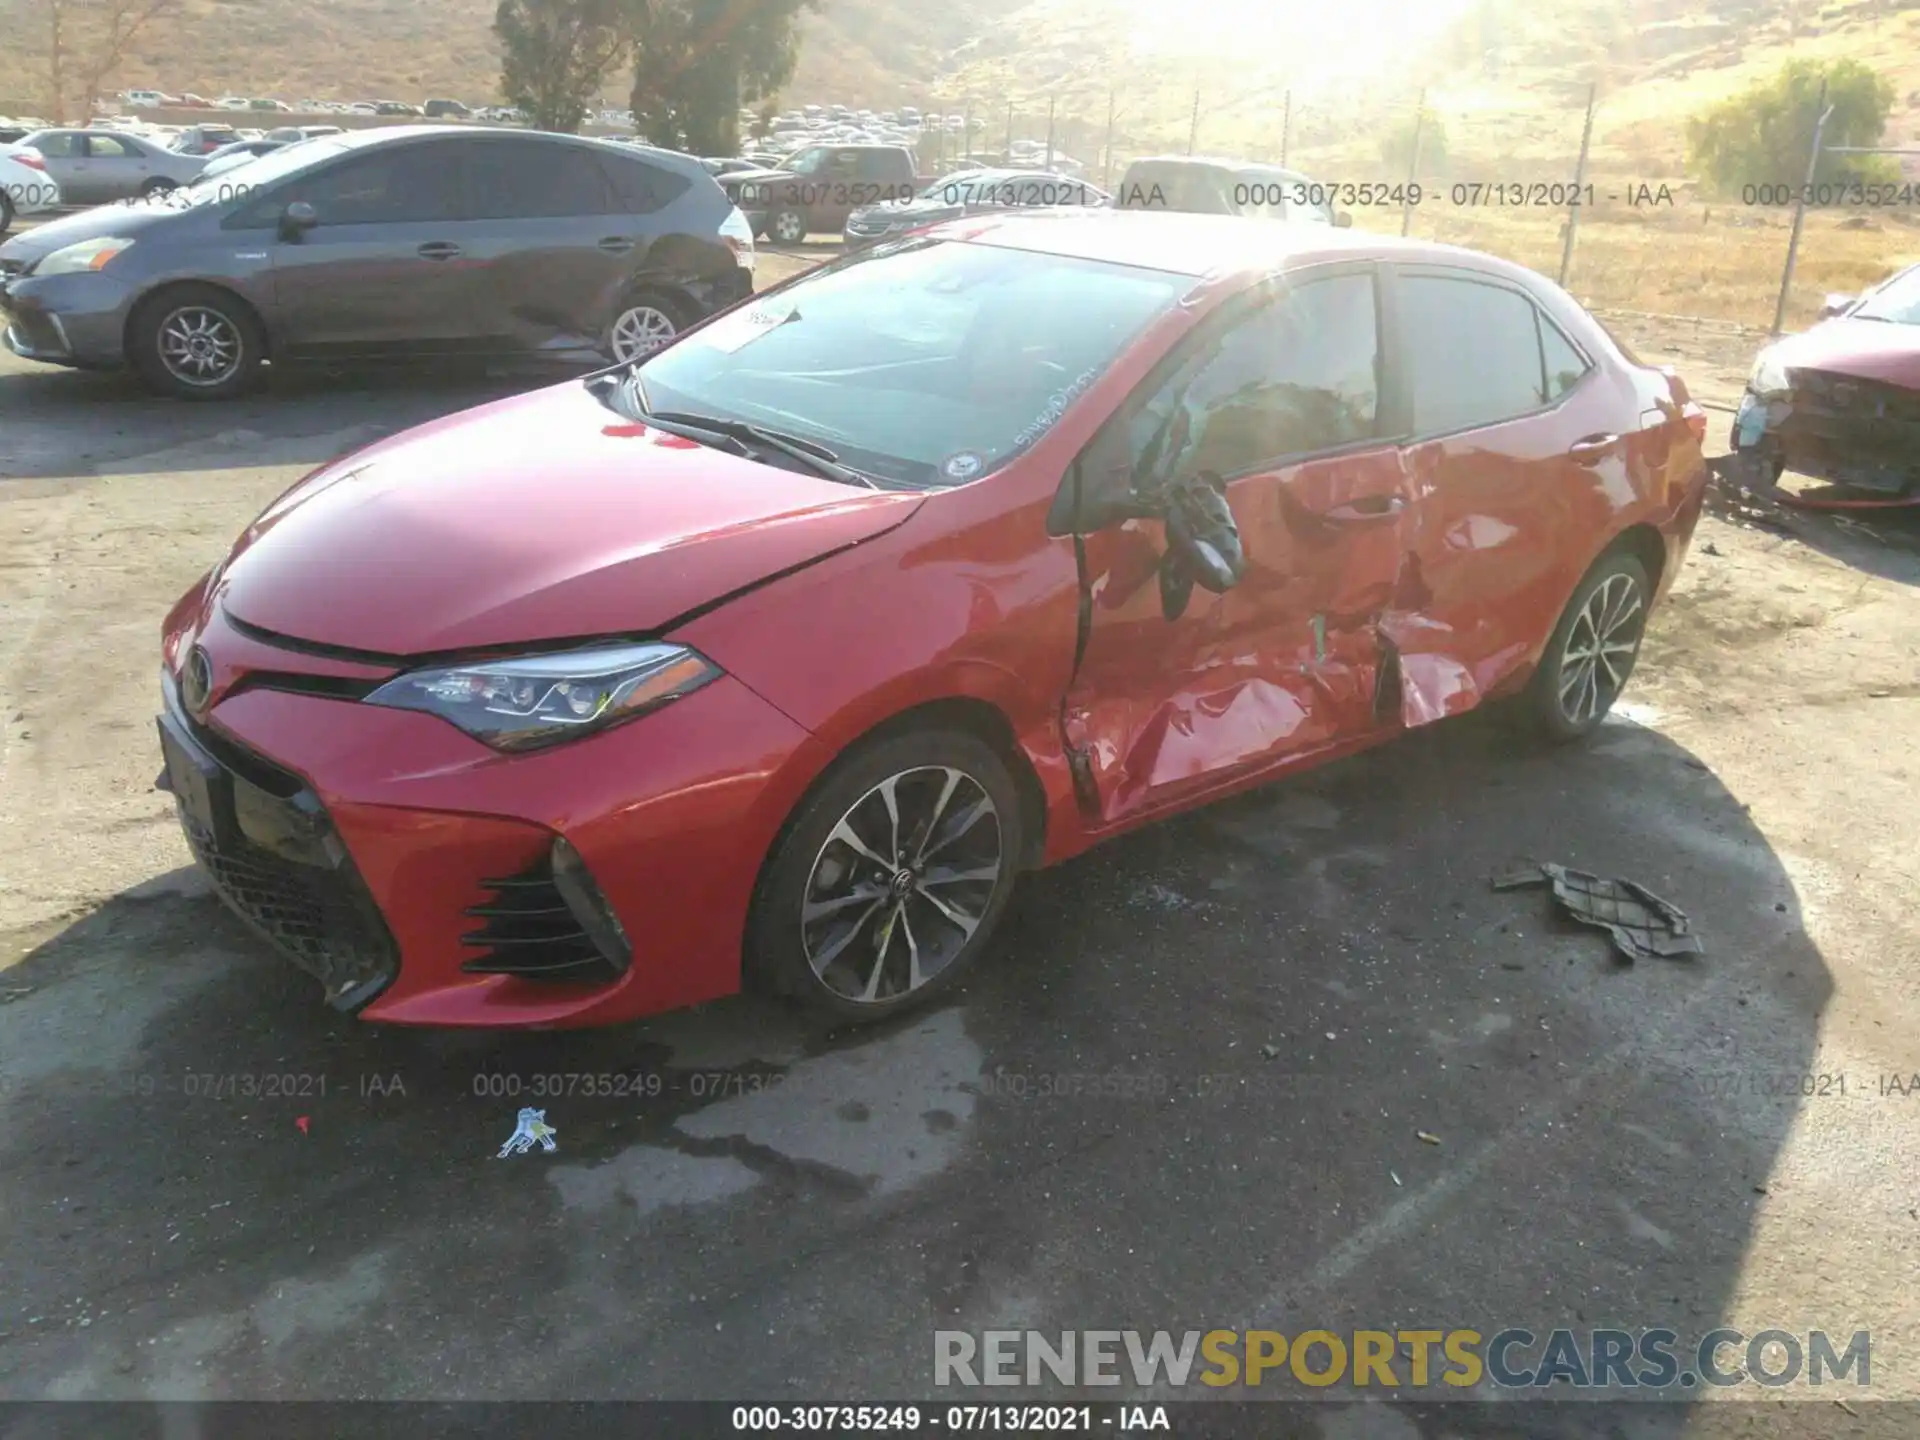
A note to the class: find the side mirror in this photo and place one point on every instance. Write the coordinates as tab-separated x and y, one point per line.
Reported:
1203	543
1343	219
297	219
1837	305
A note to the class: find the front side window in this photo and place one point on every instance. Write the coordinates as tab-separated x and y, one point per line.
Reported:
926	363
1298	376
1472	351
401	184
109	147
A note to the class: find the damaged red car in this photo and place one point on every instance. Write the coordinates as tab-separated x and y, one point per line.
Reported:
1841	402
773	658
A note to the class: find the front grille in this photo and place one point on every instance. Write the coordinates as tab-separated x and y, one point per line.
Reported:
528	930
281	865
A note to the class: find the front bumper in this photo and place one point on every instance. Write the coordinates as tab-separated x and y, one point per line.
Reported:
77	320
1864	447
671	814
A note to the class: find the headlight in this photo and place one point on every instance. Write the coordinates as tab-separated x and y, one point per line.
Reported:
535	700
1769	377
87	255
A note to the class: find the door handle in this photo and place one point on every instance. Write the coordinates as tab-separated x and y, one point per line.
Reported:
1592	449
438	250
616	244
1367	510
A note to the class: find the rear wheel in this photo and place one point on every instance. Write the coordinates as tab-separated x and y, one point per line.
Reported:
1592	651
6	213
159	185
644	321
891	878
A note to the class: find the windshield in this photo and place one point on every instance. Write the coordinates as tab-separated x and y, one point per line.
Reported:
806	161
923	363
1898	300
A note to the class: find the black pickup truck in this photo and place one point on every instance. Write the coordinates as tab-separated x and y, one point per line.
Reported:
815	189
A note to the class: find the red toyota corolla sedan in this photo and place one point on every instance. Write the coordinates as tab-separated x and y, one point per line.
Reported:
772	659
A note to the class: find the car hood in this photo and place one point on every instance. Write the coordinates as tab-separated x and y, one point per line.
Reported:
750	177
116	219
1865	349
541	517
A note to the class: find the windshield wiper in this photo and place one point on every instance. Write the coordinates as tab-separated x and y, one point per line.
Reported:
815	456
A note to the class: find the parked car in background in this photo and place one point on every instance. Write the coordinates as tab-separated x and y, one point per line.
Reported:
732	165
229	158
190	101
262	103
290	134
12	134
233	102
385	244
27	187
149	99
93	167
773	660
971	192
363	107
204	139
395	107
1210	186
452	109
1841	402
820	186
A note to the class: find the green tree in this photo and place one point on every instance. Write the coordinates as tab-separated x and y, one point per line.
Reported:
1764	135
696	62
555	54
1396	148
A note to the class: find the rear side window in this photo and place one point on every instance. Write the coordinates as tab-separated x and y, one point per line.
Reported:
640	188
58	147
520	180
1566	366
1472	351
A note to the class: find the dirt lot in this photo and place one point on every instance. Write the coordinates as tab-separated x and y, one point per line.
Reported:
1618	1146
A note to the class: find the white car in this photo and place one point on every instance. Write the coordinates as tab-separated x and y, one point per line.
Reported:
25	186
148	99
233	102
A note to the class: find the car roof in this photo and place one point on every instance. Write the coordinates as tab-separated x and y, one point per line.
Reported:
1204	246
688	165
1217	162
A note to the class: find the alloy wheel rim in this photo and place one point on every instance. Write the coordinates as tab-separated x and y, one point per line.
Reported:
1602	645
640	330
790	229
200	346
901	884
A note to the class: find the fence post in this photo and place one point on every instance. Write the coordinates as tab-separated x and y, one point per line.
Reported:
1106	165
967	137
1579	178
1800	209
1009	156
1193	126
1050	105
1413	164
1286	126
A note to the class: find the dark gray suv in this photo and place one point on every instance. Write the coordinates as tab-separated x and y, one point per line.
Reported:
401	243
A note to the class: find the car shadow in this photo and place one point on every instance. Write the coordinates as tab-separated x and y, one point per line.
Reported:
1881	541
300	415
1192	1089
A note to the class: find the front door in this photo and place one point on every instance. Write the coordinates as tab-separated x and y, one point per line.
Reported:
1280	396
387	269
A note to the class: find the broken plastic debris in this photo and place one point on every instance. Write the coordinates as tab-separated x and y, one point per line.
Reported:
1394	1176
1643	925
1429	1139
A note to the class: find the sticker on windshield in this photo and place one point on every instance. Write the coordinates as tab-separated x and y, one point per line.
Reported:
738	331
963	465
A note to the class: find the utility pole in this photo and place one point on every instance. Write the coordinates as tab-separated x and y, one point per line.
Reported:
1106	165
1579	178
1050	105
1286	126
1824	111
1193	126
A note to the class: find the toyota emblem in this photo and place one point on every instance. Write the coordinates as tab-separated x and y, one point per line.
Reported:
196	680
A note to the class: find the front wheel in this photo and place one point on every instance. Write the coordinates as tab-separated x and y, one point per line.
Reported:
892	877
1593	649
159	185
789	227
6	213
196	342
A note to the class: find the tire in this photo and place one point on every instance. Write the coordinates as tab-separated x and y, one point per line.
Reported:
886	929
659	313
159	185
1570	695
6	213
787	227
223	363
